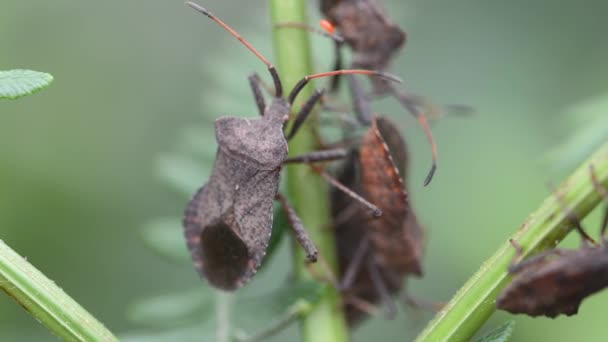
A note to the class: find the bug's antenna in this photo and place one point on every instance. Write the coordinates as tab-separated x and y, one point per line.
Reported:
411	104
273	72
302	83
331	34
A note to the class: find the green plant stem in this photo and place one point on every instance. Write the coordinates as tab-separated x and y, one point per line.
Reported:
223	304
307	191
47	302
475	301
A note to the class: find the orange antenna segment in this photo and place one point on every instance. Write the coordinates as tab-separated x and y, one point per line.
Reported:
327	26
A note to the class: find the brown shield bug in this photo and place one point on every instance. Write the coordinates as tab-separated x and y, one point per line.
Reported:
375	255
375	41
228	222
556	281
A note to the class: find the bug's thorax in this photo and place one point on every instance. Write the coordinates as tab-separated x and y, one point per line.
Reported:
277	113
259	142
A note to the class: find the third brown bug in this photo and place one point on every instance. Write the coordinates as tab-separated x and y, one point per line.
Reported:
546	286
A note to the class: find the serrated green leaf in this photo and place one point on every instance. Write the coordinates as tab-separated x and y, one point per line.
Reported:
268	306
185	334
20	82
171	310
165	237
269	313
500	334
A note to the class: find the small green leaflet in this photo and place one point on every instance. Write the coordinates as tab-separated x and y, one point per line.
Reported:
19	82
174	309
500	334
165	237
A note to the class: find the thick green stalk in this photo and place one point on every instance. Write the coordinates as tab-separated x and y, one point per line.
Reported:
475	301
47	302
307	192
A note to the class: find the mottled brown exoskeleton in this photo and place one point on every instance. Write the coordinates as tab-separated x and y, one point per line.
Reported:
374	256
228	222
546	286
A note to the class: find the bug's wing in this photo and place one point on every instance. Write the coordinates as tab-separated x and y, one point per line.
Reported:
395	143
193	227
253	211
213	236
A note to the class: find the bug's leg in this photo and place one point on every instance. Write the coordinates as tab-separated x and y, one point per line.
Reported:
328	276
304	112
513	266
380	286
341	115
298	229
361	104
604	194
376	212
355	264
362	305
343	217
318	156
330	155
516	266
335	81
574	220
421	303
254	83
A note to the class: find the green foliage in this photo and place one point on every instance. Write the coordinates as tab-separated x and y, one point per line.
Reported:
20	82
46	301
29	287
474	303
171	310
500	334
586	124
192	310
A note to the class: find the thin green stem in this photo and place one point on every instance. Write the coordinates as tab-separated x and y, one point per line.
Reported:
475	301
47	302
307	191
223	304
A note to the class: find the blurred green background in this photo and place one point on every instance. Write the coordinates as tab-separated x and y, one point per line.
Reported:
79	161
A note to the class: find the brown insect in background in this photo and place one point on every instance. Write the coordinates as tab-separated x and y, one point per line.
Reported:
228	222
546	286
375	41
375	255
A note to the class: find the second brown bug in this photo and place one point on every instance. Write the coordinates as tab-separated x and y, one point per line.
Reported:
545	286
375	41
375	255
